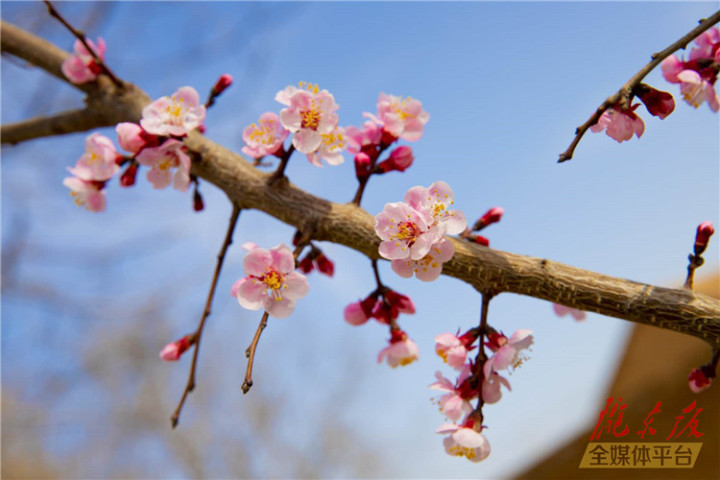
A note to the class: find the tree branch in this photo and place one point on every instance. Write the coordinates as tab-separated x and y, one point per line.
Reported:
484	268
61	123
622	96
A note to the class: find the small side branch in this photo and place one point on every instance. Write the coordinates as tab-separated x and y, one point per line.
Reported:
71	121
81	36
622	96
206	313
250	353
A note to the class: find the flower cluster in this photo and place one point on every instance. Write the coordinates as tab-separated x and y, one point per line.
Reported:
92	171
697	75
80	67
477	380
271	283
412	231
309	114
154	143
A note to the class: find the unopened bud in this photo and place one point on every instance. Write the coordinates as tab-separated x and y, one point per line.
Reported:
698	380
362	166
325	265
400	159
127	179
491	216
222	83
306	264
702	236
658	103
173	351
198	204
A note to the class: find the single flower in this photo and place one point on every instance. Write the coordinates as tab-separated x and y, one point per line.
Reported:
80	67
265	137
174	115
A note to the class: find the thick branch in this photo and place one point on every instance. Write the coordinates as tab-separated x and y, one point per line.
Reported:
66	122
488	270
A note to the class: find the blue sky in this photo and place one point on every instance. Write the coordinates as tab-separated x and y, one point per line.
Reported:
505	85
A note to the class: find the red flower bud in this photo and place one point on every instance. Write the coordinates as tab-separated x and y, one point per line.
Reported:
400	159
222	83
480	240
198	204
387	138
698	381
325	265
368	305
362	166
658	103
127	179
202	129
306	264
491	216
702	236
173	351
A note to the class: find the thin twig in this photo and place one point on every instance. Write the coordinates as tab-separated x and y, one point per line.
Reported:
280	172
81	36
206	313
623	95
250	353
481	357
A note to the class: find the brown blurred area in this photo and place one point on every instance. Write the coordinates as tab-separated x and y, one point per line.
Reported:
655	368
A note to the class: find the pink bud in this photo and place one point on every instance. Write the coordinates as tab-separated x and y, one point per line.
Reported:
702	236
174	350
354	314
325	265
491	216
201	128
698	381
362	166
127	179
222	83
658	103
400	159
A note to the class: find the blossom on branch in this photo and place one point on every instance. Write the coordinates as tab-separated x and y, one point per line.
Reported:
132	138
620	124
453	349
330	148
310	113
174	115
265	137
507	350
455	404
162	159
86	193
81	67
401	117
271	283
429	267
98	161
464	442
401	351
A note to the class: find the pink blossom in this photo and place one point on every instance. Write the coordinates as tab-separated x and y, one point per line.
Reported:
264	138
452	350
81	67
173	351
429	267
98	161
696	90
404	231
708	44
464	442
86	193
162	159
507	350
698	380
132	138
174	115
620	124
433	202
671	67
402	117
401	351
455	404
271	283
354	314
562	310
362	139
309	115
491	392
330	149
